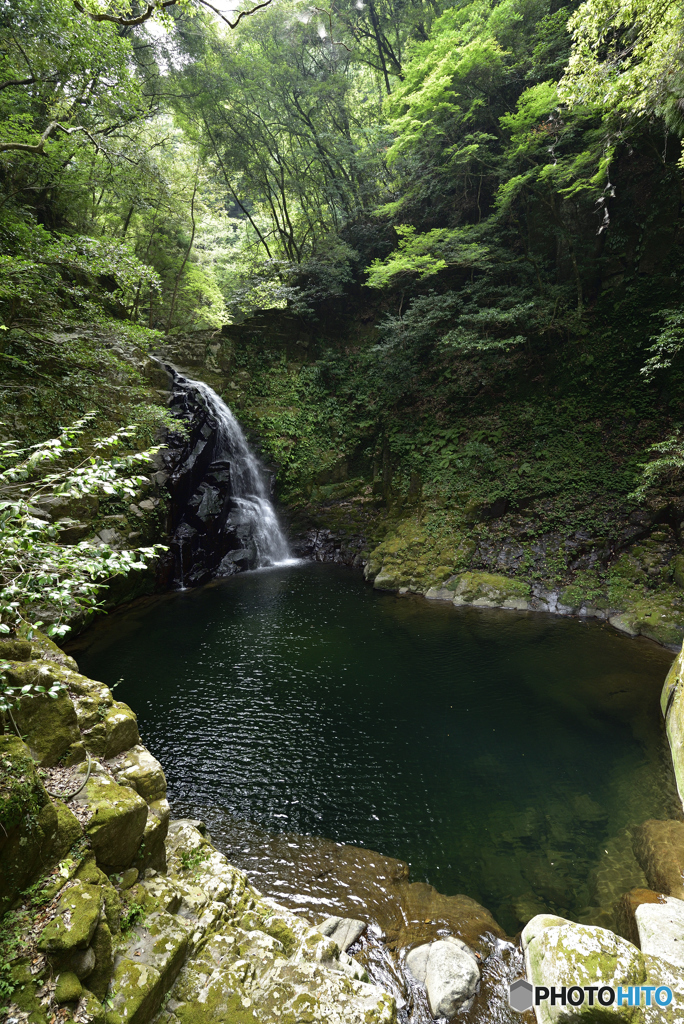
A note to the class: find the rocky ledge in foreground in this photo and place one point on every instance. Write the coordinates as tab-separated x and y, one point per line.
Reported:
113	913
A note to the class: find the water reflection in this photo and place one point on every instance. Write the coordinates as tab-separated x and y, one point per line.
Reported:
503	755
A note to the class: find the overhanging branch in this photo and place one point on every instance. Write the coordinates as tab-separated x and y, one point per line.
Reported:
38	148
151	9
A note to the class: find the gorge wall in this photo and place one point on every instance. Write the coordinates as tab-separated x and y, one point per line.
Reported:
362	491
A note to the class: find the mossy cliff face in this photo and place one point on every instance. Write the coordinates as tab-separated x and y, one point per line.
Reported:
114	914
528	483
640	593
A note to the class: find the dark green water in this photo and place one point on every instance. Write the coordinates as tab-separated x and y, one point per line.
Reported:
503	755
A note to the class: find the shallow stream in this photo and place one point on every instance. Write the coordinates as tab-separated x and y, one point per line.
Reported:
503	755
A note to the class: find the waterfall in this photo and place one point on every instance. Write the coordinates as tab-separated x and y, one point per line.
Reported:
223	518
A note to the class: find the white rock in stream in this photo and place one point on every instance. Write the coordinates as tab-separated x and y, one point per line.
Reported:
344	931
661	929
450	972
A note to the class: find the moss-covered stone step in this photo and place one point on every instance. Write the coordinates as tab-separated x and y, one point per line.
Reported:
116	821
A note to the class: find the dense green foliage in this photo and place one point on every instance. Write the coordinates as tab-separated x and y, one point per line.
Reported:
465	220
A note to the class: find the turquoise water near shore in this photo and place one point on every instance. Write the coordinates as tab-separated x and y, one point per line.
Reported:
504	755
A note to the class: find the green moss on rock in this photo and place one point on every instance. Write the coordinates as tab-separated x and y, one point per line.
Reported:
29	820
566	953
418	555
117	821
49	724
487	589
77	917
68	988
98	978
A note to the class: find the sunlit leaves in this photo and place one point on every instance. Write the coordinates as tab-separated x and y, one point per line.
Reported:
427	254
36	571
628	57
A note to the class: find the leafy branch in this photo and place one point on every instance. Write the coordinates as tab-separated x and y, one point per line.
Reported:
36	571
131	20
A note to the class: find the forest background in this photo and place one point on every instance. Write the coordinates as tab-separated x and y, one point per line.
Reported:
430	253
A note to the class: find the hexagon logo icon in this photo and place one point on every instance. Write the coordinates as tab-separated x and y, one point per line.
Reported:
521	995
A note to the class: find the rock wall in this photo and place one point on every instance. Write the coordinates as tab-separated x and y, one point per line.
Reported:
641	593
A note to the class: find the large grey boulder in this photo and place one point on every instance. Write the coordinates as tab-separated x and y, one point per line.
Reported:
344	931
450	972
661	929
560	952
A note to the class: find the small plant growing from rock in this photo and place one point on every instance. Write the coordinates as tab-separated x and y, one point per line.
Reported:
132	914
191	860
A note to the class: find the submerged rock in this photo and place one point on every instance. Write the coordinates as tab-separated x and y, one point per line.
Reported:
450	972
625	912
659	849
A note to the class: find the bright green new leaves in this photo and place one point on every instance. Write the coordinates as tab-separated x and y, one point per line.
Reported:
426	254
628	57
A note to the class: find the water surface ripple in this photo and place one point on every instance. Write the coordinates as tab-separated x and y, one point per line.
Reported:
504	755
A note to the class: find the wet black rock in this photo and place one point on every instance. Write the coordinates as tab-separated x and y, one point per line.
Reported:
221	521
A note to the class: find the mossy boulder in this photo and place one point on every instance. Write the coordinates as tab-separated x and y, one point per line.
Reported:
91	700
99	977
560	952
89	872
116	824
678	570
44	648
417	556
15	650
49	724
30	822
484	590
67	832
659	616
121	729
68	988
146	968
25	996
143	773
78	915
152	850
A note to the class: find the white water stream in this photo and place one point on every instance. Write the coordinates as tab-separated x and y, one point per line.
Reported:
247	478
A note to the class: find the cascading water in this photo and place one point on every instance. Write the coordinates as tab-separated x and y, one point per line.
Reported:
222	517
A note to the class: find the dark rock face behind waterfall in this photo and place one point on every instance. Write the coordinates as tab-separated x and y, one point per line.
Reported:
222	520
